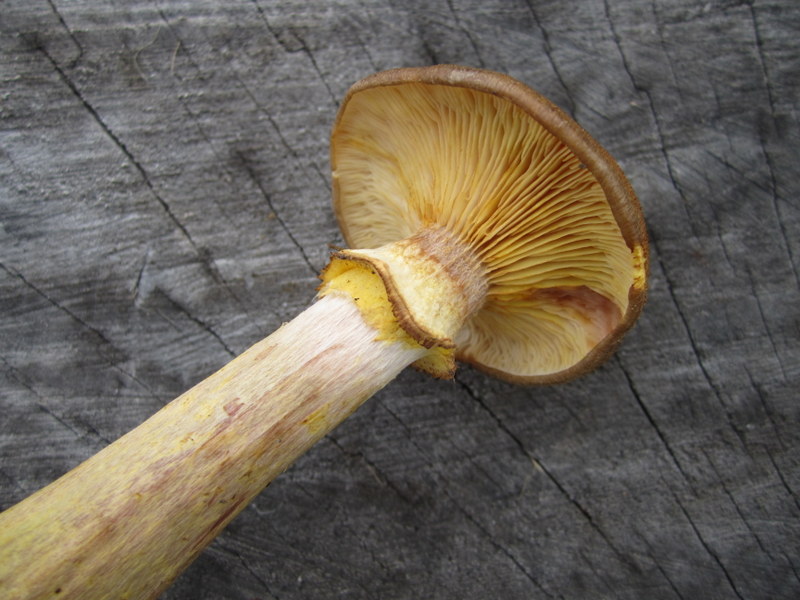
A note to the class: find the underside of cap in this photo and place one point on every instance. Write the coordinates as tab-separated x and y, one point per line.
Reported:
547	212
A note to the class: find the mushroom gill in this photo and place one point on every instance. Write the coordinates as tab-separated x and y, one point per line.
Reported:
411	156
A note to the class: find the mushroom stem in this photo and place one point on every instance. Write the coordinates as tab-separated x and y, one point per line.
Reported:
127	521
434	281
124	523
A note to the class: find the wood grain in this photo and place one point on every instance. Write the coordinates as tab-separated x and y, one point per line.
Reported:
165	202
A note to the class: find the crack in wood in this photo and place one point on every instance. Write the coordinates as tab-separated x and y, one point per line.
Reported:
715	557
197	321
696	353
759	45
247	567
268	199
736	506
653	423
121	146
661	569
582	510
548	52
303	47
467	34
284	142
70	33
485	533
41	404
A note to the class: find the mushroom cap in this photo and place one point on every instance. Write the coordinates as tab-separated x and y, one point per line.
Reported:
547	211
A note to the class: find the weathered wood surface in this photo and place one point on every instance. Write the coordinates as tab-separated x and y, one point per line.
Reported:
164	202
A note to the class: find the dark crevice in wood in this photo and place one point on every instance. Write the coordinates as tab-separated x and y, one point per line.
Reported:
714	556
742	517
302	47
661	569
736	171
662	143
467	34
584	512
795	497
197	321
499	547
118	142
14	482
471	518
697	354
284	142
70	33
372	469
429	51
548	52
310	54
365	49
651	420
248	567
767	328
116	355
776	199
90	431
204	254
268	199
56	304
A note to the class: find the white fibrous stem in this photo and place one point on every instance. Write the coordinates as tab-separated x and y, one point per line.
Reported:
128	520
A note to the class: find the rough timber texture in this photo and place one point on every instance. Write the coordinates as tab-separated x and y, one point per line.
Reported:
164	203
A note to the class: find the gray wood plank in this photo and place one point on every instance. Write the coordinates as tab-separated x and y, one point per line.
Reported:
164	203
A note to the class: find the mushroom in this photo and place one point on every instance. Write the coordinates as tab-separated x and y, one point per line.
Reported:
492	229
515	201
